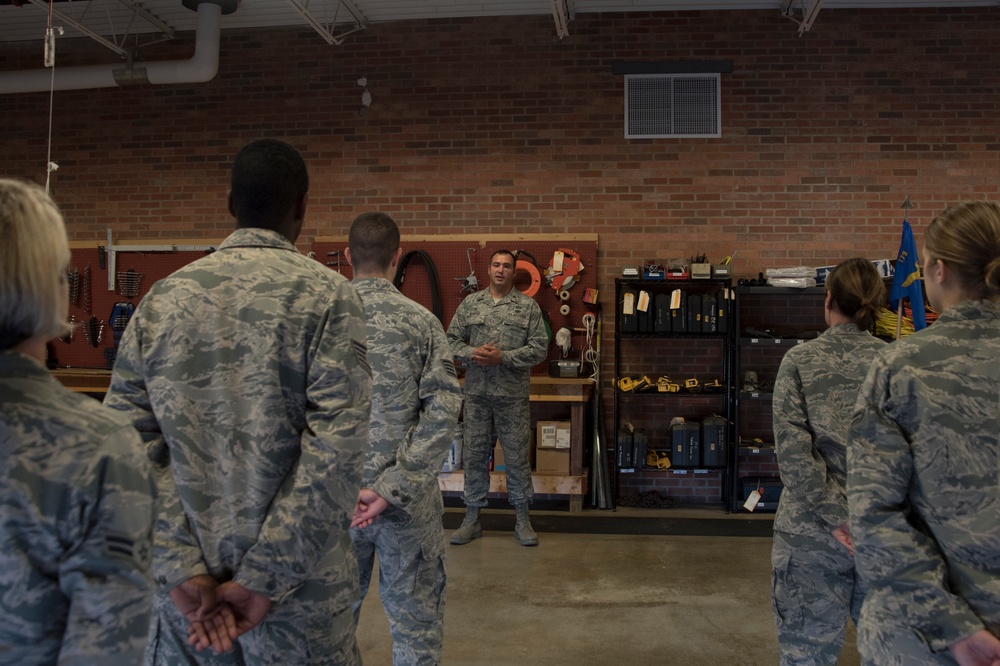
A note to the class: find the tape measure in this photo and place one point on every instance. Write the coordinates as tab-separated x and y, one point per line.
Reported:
532	271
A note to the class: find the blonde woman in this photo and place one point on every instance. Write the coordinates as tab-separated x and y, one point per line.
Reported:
76	492
923	481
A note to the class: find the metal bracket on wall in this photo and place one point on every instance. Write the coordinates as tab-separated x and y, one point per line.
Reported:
112	254
810	10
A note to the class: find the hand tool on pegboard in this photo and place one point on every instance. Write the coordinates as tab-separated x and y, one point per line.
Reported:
335	265
470	284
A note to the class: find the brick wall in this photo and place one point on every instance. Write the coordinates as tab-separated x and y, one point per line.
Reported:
495	125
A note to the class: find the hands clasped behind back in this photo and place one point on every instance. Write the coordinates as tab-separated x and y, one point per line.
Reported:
218	614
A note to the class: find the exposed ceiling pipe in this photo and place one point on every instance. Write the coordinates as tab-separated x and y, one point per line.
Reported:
201	67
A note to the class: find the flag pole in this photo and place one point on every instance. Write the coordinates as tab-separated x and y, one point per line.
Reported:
899	310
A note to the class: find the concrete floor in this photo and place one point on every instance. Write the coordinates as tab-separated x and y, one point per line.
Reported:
595	599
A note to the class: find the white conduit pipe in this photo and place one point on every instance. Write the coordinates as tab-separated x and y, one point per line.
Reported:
201	67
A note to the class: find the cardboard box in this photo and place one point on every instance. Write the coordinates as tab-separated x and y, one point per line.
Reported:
701	271
563	435
552	461
548	434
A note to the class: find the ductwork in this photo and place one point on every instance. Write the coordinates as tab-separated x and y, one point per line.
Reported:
202	67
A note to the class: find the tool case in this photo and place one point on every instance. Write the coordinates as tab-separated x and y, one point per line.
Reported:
661	313
685	448
714	441
624	452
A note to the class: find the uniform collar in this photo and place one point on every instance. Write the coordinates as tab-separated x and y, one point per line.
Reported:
373	284
973	309
257	237
15	364
509	296
847	328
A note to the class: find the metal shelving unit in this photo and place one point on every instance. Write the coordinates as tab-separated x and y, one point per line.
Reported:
791	312
660	357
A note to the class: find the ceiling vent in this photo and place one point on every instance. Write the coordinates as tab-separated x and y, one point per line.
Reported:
675	106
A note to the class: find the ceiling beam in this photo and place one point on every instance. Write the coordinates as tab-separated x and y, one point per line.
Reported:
327	31
82	28
149	18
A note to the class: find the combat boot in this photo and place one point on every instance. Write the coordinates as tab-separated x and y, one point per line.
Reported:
469	529
522	528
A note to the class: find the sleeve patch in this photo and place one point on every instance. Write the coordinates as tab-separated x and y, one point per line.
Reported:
123	546
361	353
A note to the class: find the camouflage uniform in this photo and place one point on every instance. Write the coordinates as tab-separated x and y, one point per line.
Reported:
415	403
76	522
923	486
814	585
245	373
497	396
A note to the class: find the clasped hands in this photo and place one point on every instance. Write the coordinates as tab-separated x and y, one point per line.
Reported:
980	649
369	507
218	613
487	355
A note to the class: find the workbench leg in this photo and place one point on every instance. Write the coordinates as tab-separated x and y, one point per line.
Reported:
575	503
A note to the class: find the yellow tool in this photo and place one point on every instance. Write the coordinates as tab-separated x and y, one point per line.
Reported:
630	385
626	384
664	385
713	386
658	460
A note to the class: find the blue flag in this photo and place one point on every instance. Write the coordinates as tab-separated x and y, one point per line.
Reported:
906	279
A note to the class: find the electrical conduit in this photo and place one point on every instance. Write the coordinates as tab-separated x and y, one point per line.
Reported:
201	67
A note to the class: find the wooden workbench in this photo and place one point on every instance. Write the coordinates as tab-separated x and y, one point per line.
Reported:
84	380
576	393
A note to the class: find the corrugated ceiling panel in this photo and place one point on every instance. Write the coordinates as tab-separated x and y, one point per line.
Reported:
109	17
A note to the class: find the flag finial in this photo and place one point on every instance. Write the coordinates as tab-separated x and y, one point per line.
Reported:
906	206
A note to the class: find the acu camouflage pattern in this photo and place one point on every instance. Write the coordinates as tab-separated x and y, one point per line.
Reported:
76	520
496	397
814	585
516	325
814	395
245	373
486	420
923	486
416	400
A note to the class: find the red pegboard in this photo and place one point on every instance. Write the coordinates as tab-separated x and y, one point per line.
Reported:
451	262
146	268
